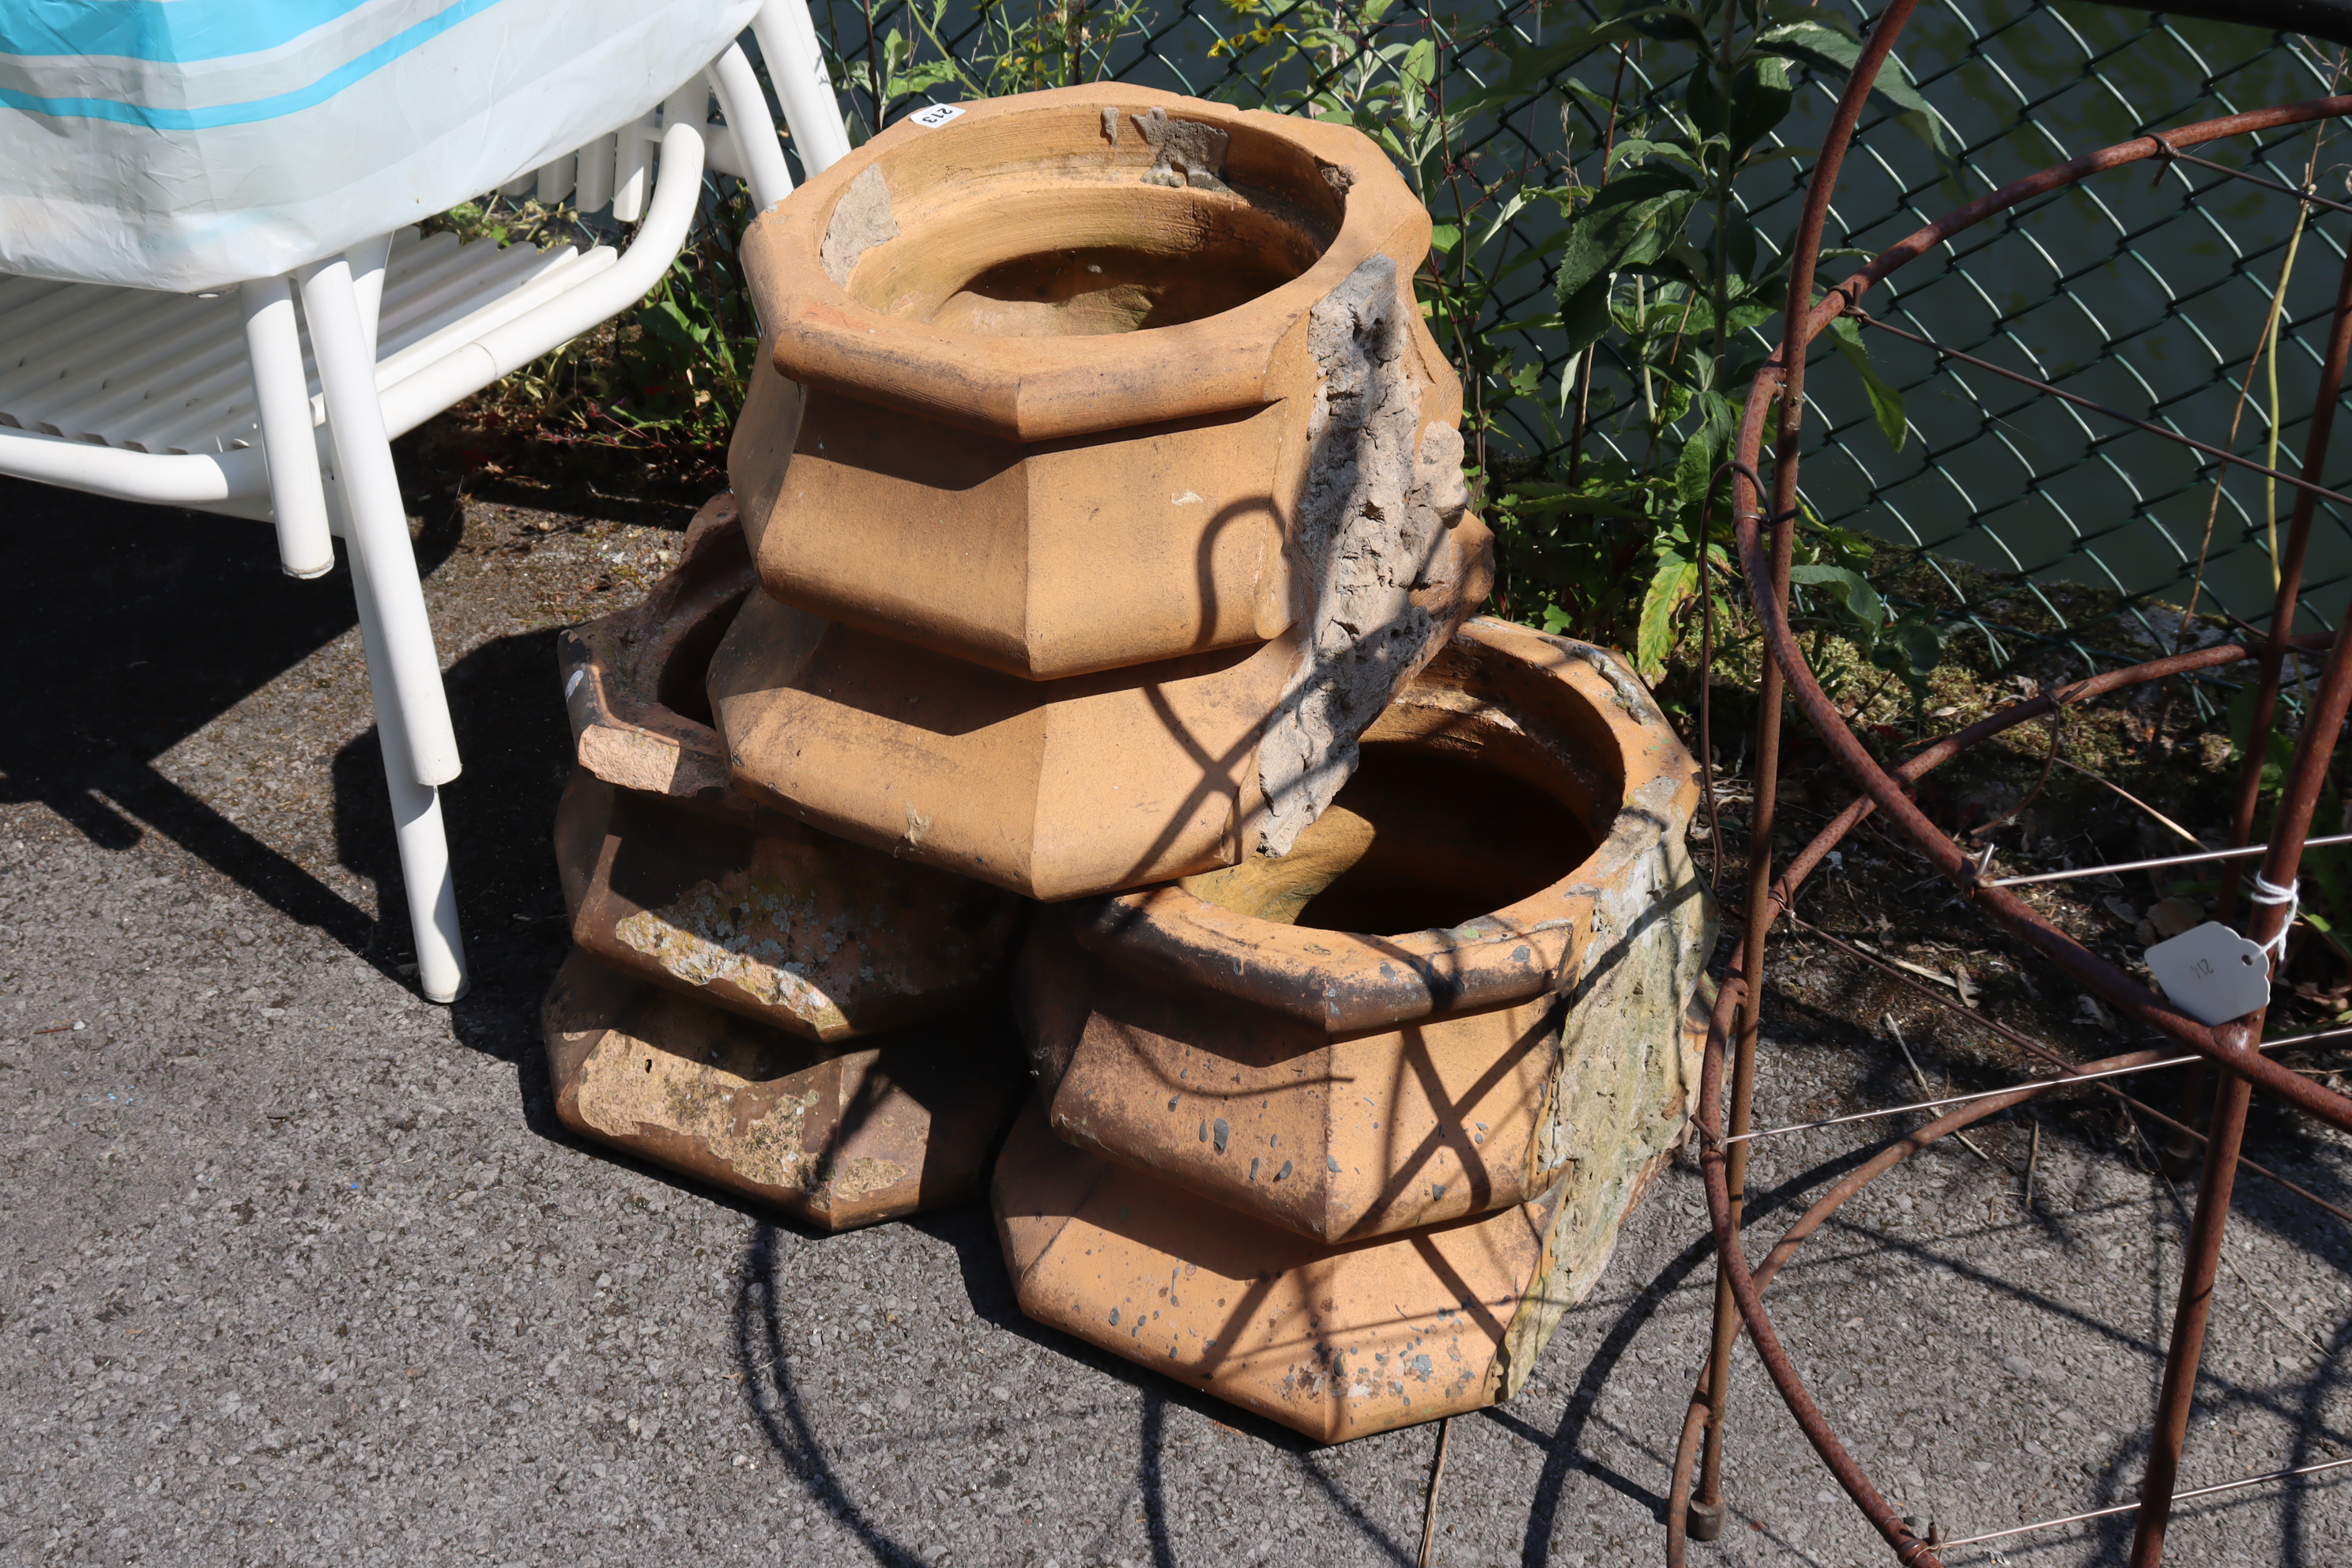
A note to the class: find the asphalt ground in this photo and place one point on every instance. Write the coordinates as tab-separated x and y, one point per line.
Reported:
295	1267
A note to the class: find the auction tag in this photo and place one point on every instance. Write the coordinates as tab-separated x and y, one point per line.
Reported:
937	115
2212	973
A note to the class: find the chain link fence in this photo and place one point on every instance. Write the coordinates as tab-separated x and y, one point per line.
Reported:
2151	295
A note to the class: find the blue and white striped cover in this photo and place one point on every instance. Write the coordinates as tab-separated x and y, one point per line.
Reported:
188	144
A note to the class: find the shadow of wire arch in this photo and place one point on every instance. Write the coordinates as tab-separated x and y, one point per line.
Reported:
783	1418
766	1364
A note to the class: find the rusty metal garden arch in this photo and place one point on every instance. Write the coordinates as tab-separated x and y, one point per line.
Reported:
1764	537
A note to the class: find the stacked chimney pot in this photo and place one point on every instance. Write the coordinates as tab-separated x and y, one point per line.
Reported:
1090	679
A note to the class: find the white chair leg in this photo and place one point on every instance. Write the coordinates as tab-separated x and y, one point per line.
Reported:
370	259
737	87
555	180
417	831
297	499
796	64
378	520
632	161
596	174
415	820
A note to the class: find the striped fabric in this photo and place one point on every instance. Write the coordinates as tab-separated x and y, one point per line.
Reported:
188	144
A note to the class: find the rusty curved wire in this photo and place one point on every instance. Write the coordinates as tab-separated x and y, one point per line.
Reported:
1782	896
1802	866
1781	382
2225	1044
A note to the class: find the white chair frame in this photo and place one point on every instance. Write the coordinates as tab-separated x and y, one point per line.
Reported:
323	467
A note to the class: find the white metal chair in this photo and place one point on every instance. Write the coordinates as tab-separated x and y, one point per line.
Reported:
209	401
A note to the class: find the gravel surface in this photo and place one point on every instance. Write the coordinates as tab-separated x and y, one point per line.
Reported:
295	1268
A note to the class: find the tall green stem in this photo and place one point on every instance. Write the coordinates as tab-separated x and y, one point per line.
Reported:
1576	432
1725	170
2270	487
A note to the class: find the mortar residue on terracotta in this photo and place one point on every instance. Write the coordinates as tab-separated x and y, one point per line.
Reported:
836	1136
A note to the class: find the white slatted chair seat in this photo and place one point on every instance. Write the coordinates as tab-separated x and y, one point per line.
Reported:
167	373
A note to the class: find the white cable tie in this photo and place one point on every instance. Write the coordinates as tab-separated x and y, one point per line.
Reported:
2269	892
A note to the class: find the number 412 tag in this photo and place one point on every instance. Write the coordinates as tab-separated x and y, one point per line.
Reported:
2212	973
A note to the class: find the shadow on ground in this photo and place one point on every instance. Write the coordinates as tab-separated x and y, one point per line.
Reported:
136	627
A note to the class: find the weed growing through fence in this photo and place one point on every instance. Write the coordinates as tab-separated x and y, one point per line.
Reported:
667	379
1625	257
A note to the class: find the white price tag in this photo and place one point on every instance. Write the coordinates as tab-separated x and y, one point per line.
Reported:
2212	973
937	115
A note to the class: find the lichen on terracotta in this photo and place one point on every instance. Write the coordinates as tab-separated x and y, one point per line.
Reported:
1466	980
711	937
693	886
837	1136
760	912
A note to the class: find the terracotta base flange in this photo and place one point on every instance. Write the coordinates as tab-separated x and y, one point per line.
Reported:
837	1138
1336	1342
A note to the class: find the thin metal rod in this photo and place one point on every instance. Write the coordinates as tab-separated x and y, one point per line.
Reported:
2317	201
2028	1042
1706	1510
1937	753
1964	1099
1429	1503
2305	1040
2134	1508
2315	750
2211	450
2244	852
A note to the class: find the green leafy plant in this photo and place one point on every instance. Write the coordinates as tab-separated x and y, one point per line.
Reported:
1660	277
1015	48
1906	645
1658	284
683	357
668	378
1602	288
890	71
